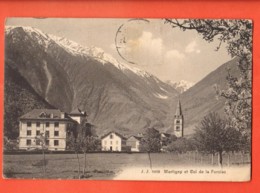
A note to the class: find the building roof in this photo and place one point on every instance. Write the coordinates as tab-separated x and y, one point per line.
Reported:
78	112
178	110
41	114
136	137
118	134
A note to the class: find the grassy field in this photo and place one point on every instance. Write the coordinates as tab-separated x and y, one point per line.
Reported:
103	165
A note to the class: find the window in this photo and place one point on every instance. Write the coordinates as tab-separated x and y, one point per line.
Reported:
47	133
56	124
178	121
56	133
111	142
47	142
38	132
29	124
38	124
111	136
47	124
177	128
38	142
56	142
28	142
105	142
29	133
43	114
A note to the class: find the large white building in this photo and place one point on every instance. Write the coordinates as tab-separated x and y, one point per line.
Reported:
50	123
113	141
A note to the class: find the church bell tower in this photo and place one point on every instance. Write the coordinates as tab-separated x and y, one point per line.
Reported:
178	121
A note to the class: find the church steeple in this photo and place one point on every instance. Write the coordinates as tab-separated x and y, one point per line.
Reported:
178	110
178	121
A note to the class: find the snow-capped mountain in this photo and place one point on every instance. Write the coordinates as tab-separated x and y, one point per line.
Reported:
181	86
68	75
76	49
95	53
54	71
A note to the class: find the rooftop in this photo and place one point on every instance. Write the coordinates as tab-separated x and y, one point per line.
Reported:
178	109
136	137
78	111
45	114
118	134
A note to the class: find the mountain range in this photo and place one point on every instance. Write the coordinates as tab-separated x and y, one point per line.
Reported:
201	99
55	72
181	86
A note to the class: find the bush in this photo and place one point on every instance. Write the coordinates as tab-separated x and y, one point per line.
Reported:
9	172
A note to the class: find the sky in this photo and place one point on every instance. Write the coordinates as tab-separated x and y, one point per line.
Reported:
148	44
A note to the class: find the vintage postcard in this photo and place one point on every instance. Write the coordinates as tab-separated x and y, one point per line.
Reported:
128	99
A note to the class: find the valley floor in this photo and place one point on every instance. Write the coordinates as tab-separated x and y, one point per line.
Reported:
123	166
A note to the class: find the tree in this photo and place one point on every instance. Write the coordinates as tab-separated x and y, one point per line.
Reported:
168	139
83	139
215	135
88	140
42	140
150	142
181	145
73	144
10	145
237	34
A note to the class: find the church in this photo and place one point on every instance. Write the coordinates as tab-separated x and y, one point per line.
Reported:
178	121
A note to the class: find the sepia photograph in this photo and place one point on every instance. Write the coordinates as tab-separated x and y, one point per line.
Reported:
128	99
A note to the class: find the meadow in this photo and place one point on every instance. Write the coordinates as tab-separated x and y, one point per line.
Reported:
105	165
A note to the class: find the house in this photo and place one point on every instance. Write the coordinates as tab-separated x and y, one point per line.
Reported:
78	115
51	123
134	143
113	141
